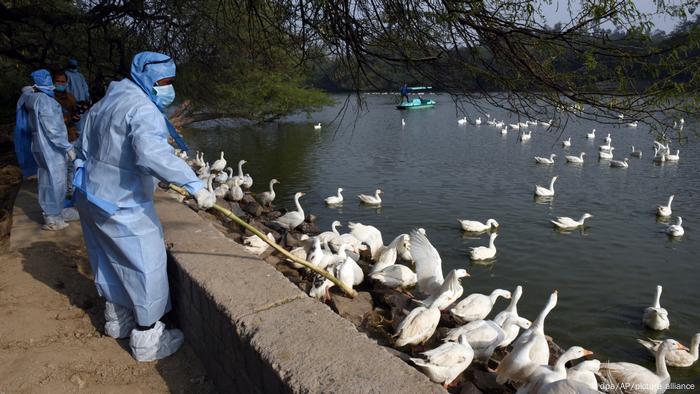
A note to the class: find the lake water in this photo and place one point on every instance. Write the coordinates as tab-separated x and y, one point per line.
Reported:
434	171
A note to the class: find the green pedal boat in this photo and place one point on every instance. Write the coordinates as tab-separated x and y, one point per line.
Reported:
416	103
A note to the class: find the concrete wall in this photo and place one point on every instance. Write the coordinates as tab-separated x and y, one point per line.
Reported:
257	332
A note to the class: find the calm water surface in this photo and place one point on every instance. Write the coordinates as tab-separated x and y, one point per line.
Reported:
434	171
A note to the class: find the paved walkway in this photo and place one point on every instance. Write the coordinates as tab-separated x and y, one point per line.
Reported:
51	321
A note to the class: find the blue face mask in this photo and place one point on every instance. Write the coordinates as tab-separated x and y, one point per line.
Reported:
166	94
60	88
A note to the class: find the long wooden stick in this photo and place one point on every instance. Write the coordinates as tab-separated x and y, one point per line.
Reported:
347	290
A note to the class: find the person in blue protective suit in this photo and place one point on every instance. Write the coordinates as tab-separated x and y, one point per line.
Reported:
122	154
404	92
78	87
40	126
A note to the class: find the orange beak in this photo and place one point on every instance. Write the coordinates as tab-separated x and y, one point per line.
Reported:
587	352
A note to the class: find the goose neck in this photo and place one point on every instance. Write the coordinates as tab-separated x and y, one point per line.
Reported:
272	184
657	297
538	325
513	306
240	168
661	369
298	205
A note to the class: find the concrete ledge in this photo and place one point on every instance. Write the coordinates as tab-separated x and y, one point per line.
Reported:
256	332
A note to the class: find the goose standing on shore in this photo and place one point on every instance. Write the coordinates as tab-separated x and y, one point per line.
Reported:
371	200
428	263
474	226
335	200
450	290
512	331
419	325
566	143
240	175
575	159
395	276
369	235
223	176
292	219
675	357
247	181
635	379
504	130
219	164
544	374
543	191
544	160
477	306
446	362
656	317
676	230
266	198
485	336
235	193
665	210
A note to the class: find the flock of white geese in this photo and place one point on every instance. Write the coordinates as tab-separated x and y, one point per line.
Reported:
475	338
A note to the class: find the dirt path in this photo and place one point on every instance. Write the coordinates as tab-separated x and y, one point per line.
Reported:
51	322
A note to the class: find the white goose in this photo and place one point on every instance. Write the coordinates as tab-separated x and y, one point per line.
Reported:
544	374
608	140
477	121
658	156
606	154
624	163
543	191
428	263
247	181
499	124
544	160
584	372
235	193
266	198
484	252
591	135
636	153
204	172
605	148
567	223
255	245
485	336
575	159
395	276
222	176
665	210
477	306
504	131
335	200
371	200
514	126
474	226
656	317
419	325
349	272
317	126
633	124
566	143
221	191
676	357
538	349
462	121
512	331
327	236
525	136
676	230
672	157
369	235
444	363
219	164
240	175
389	253
546	124
523	125
450	290
292	219
635	379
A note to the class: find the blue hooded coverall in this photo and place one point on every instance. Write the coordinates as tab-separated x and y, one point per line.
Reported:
49	144
122	152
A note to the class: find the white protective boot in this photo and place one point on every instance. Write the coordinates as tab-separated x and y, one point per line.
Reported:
54	223
70	214
156	343
119	321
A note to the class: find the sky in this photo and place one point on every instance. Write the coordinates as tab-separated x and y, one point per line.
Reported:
558	12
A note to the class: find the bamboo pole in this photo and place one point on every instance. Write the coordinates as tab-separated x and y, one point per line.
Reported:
347	290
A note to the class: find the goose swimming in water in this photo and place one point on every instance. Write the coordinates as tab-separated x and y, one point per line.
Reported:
606	155
635	379
462	121
608	140
591	135
675	357
636	153
658	157
575	159
665	210
567	223
566	143
656	317
317	126
624	163
292	219
672	157
474	226
544	160
676	230
371	200
484	252
504	130
633	124
477	121
335	200
526	136
543	191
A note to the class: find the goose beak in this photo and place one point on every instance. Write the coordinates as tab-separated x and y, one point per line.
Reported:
682	347
587	352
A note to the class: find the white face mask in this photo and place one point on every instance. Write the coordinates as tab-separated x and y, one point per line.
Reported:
166	94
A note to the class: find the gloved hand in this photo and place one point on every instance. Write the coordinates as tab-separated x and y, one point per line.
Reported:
205	198
71	155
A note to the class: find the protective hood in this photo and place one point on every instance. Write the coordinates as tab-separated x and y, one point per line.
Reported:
72	63
42	81
149	67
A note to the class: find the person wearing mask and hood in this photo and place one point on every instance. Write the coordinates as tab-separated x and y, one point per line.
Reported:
78	87
40	127
68	103
122	153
